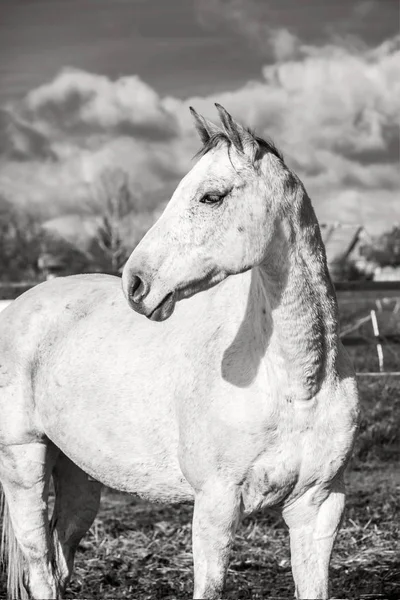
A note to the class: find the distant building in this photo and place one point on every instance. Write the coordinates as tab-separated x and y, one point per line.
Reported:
343	243
387	274
51	266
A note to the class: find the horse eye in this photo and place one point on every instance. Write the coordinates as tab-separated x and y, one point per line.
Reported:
212	198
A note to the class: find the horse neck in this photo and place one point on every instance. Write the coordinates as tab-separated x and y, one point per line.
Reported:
301	299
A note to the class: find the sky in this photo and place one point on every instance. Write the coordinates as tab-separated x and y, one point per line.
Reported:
89	84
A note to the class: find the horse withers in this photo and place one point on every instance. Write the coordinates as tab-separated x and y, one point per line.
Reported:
235	392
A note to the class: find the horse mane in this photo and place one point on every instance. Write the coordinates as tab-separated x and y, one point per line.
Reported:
223	138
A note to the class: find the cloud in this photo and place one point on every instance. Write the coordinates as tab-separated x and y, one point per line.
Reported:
83	104
249	19
62	134
20	141
257	21
284	44
334	110
364	8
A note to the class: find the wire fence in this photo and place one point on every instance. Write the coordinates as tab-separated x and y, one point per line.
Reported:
370	325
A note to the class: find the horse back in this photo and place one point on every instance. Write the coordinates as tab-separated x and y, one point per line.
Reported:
30	328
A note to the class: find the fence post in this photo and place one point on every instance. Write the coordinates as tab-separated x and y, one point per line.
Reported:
379	350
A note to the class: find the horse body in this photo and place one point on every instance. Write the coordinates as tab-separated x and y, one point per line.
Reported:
242	399
134	432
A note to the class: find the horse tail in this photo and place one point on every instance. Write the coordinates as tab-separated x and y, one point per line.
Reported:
11	556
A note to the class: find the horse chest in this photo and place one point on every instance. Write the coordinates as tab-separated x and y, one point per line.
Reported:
243	437
270	447
268	482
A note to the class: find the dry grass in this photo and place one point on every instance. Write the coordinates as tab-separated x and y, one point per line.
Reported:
138	550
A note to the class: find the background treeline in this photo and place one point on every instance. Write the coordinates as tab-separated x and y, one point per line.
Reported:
29	243
29	246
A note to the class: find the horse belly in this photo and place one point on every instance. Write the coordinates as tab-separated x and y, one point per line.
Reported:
122	461
155	480
119	426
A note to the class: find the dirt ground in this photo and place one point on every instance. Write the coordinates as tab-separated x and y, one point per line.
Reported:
137	550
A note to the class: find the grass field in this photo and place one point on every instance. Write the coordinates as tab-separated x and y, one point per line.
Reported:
142	551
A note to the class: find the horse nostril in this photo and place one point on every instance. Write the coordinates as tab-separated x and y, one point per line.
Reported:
138	289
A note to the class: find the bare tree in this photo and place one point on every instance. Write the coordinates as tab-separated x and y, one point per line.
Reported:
21	238
113	203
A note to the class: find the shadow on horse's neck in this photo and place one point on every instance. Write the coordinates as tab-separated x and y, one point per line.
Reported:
291	316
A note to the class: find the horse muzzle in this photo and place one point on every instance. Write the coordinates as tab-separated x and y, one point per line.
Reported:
143	299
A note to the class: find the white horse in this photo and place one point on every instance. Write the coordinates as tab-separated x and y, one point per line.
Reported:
240	397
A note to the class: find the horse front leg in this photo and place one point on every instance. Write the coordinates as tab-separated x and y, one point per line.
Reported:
313	527
217	509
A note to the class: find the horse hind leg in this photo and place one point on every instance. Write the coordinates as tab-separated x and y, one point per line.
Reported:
25	471
77	500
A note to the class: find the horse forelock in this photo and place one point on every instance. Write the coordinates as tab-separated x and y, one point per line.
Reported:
221	137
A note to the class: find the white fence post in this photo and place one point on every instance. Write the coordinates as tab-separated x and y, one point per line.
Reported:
378	344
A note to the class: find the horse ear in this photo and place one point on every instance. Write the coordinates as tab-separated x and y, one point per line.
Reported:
205	128
242	139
